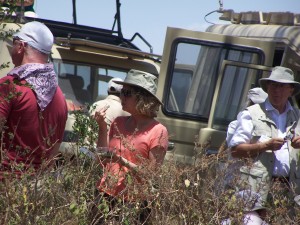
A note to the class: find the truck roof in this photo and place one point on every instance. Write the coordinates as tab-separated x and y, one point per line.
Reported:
289	35
69	30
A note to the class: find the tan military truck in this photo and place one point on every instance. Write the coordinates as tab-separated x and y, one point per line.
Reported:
204	76
85	59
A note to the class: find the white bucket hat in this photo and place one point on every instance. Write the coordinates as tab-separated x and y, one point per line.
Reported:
37	35
113	87
281	75
144	80
257	95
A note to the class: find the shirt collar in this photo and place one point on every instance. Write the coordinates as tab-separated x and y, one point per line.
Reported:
269	106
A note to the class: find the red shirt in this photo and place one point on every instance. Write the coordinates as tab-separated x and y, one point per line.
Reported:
28	134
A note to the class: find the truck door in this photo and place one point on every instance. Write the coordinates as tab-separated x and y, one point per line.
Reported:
191	79
228	102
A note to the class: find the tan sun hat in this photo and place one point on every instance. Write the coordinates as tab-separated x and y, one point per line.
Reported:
281	75
144	80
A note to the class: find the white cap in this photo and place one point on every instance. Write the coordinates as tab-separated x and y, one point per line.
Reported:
114	87
257	95
37	35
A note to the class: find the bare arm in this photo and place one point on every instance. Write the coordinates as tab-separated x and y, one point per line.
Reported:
157	156
102	137
102	132
252	150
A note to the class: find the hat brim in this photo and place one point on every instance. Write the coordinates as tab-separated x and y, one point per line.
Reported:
263	84
131	84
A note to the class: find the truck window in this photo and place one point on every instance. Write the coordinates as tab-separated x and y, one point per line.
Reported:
74	81
84	84
194	72
232	100
104	75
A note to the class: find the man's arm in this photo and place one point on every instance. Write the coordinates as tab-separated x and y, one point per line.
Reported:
252	150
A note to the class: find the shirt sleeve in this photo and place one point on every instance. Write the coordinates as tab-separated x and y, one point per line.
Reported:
159	137
6	97
244	128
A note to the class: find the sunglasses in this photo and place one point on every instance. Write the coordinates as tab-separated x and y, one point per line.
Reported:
273	84
18	39
126	93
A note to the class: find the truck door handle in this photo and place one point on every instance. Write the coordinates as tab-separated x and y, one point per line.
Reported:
171	146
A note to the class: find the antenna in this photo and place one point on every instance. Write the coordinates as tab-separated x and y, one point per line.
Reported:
74	12
221	5
118	19
220	10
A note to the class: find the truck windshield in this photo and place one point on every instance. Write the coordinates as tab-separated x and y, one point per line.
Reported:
194	73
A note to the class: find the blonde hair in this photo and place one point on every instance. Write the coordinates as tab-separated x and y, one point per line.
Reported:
147	104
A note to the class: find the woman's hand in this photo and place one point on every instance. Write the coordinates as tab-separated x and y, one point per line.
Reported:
102	132
100	117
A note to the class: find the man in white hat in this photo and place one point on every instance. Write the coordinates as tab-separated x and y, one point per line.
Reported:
33	109
265	134
112	102
255	96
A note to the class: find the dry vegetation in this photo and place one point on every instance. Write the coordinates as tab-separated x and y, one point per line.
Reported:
176	193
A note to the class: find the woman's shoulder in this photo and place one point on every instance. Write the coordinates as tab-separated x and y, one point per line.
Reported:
121	119
157	126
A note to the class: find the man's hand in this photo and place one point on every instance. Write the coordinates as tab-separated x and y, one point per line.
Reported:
252	150
274	144
295	142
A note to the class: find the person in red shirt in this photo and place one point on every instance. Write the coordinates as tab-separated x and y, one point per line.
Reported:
33	110
137	143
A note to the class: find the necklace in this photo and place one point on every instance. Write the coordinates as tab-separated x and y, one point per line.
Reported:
132	125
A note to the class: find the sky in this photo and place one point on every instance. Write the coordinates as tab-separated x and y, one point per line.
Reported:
151	18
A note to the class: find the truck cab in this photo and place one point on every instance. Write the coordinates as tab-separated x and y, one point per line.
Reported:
205	76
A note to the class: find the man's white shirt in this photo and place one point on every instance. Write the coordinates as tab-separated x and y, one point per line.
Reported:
243	134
